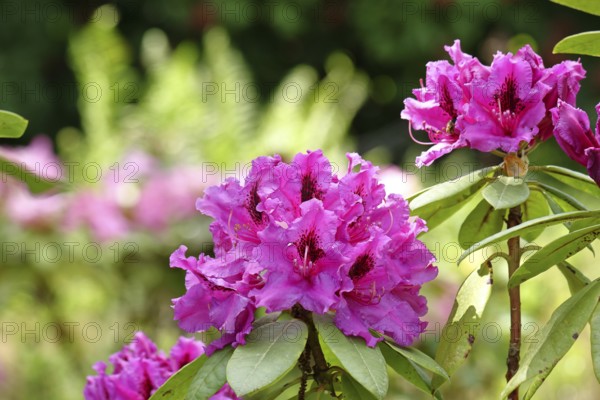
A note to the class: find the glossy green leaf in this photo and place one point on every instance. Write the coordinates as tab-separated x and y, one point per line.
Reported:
279	388
12	125
441	201
567	198
572	178
271	351
365	364
586	43
440	214
582	224
553	253
408	370
575	278
417	194
588	6
211	377
353	390
535	207
528	226
459	333
482	222
35	183
420	358
506	192
595	341
555	339
177	386
556	209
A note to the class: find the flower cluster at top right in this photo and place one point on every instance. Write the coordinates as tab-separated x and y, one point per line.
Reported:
508	106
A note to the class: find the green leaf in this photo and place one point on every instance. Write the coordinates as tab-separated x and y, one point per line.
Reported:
575	279
572	201
558	209
408	370
420	358
271	351
12	125
35	183
279	388
574	179
595	341
554	253
586	43
528	226
353	390
460	331
439	214
555	339
446	198
176	387
535	207
588	6
506	192
482	222
211	377
365	364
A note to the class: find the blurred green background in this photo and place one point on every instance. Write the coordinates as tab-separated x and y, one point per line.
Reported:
164	98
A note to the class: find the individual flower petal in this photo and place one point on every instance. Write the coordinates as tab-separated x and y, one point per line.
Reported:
564	80
185	351
469	68
593	163
438	150
572	131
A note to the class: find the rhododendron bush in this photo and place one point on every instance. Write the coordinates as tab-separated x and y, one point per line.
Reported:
316	281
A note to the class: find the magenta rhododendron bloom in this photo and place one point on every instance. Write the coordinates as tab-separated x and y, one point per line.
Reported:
504	106
440	106
297	234
139	369
574	135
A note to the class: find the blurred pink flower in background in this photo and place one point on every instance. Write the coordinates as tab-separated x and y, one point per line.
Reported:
399	181
23	208
167	196
135	194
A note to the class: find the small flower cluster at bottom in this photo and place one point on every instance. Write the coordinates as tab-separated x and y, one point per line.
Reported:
140	369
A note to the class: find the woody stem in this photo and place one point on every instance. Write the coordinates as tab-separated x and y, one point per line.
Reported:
514	294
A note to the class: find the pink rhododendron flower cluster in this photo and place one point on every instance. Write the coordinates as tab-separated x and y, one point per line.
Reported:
504	106
139	369
298	234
